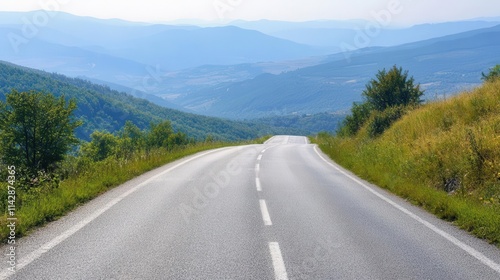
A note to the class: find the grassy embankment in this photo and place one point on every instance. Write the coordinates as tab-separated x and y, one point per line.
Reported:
443	156
40	207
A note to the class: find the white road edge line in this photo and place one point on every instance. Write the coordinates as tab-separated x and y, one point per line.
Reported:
471	251
258	185
265	213
65	235
269	140
278	263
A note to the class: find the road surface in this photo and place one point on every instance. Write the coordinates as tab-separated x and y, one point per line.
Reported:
281	210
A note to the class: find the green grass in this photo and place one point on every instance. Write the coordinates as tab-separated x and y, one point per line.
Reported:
90	181
444	156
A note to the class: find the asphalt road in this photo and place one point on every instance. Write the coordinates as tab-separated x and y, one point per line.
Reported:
281	210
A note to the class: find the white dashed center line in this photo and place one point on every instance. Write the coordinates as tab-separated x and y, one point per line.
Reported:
278	263
265	213
257	184
274	247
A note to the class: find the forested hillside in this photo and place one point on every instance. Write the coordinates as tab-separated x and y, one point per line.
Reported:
101	108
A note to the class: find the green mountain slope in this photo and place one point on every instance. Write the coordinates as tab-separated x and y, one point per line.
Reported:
104	109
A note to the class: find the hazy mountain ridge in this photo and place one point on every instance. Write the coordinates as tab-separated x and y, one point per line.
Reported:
443	66
242	71
335	33
78	50
170	47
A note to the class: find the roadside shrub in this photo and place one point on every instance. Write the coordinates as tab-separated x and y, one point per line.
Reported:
380	121
360	112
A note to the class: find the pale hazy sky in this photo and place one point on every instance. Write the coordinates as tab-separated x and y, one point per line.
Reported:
409	11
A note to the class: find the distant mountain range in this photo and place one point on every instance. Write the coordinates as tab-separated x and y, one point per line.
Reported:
333	34
443	66
248	69
118	51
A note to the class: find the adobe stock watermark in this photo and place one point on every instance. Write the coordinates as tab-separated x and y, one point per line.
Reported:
372	29
152	80
145	84
32	25
219	181
324	249
210	191
11	219
222	7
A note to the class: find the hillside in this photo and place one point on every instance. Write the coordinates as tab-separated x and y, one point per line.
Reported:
443	66
104	109
444	156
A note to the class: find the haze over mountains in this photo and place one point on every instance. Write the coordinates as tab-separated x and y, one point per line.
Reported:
249	69
443	66
333	34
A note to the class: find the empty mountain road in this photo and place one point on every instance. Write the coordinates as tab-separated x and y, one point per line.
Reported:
281	210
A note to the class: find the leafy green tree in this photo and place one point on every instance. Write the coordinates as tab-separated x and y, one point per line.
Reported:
130	130
392	88
493	75
209	138
36	130
386	98
177	139
131	139
360	112
159	134
103	145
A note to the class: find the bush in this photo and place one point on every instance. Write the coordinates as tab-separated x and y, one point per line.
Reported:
385	100
103	145
493	75
392	88
380	121
360	112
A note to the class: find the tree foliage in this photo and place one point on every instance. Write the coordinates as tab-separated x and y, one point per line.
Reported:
360	112
493	75
380	121
385	100
37	130
159	135
102	145
131	140
392	88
